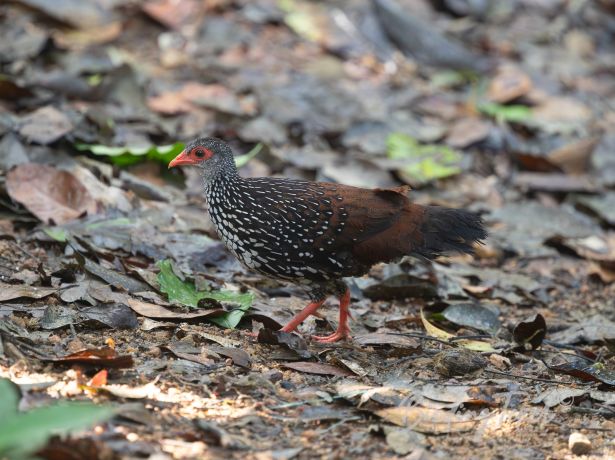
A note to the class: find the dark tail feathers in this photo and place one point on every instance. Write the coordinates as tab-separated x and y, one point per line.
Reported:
446	230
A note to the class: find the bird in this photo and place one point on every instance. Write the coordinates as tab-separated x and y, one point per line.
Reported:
315	234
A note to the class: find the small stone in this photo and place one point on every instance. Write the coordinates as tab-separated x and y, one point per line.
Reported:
154	352
579	444
501	362
75	345
458	361
403	441
273	375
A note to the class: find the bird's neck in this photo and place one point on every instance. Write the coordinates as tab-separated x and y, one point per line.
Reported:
223	170
220	183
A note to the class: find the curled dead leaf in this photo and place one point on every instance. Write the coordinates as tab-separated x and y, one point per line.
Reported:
532	331
434	331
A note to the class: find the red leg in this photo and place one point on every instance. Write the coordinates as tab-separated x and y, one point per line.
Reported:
299	317
343	331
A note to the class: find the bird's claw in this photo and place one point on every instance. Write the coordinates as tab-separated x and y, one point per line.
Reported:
335	337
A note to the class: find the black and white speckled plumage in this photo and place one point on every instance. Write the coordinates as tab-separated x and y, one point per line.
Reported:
279	227
316	233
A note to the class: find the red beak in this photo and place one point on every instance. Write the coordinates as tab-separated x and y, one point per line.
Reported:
182	159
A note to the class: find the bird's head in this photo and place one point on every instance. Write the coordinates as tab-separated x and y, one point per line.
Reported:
212	155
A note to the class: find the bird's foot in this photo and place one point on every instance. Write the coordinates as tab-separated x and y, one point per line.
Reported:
340	334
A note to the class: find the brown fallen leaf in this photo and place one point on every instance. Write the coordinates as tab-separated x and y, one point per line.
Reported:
467	131
192	357
10	90
70	449
592	373
171	13
239	357
151	310
552	397
452	396
169	103
531	331
220	340
112	277
96	357
15	291
318	368
382	338
214	96
45	125
557	110
553	182
48	193
509	84
605	274
424	420
575	157
99	380
218	97
597	248
350	365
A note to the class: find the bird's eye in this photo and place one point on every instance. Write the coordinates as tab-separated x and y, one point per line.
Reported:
199	153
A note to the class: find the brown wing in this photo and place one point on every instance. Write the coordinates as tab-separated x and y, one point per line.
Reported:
378	225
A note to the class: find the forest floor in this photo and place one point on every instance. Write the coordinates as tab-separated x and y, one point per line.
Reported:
114	288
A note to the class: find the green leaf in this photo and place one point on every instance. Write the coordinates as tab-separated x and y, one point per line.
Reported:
185	293
177	290
125	156
24	433
165	153
425	162
451	78
513	113
242	160
118	222
57	233
303	18
9	398
231	319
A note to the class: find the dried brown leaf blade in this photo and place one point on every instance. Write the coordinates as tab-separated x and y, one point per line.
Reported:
15	291
97	357
48	193
429	421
